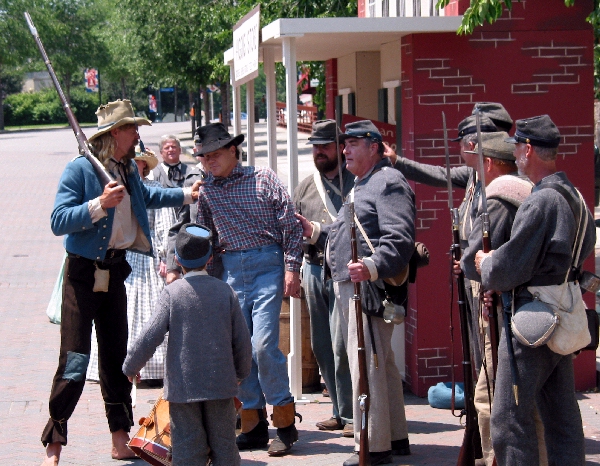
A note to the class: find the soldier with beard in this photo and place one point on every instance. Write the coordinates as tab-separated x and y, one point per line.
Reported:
100	224
319	198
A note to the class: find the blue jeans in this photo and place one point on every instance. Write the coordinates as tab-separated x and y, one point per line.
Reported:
256	275
327	340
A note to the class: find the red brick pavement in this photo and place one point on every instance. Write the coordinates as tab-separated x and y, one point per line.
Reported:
30	257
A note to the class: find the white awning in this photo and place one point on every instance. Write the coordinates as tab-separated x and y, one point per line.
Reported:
319	39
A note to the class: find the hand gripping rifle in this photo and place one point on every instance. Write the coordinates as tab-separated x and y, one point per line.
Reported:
363	379
84	145
487	247
471	445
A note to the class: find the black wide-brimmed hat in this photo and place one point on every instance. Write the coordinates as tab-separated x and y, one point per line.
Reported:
494	145
212	137
323	132
495	112
361	129
537	131
193	245
469	126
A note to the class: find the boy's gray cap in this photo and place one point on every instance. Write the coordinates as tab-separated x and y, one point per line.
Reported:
537	131
469	126
495	112
361	129
494	145
193	245
323	132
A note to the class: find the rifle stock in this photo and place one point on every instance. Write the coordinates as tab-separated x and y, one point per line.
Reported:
84	145
487	247
471	445
363	380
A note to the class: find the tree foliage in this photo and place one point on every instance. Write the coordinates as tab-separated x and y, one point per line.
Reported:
481	11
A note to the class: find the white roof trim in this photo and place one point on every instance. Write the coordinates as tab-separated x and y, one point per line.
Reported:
320	39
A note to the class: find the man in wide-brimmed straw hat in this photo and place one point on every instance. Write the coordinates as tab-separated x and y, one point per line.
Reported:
100	223
252	216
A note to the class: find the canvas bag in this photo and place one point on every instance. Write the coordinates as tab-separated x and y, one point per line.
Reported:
571	332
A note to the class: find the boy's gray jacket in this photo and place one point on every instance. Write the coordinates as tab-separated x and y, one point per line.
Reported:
384	204
209	347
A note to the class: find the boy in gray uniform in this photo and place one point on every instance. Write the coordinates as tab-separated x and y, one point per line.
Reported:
208	354
538	253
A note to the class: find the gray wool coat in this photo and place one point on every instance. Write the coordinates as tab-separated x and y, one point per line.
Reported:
209	347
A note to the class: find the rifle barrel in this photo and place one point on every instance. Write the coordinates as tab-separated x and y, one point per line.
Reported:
363	380
84	146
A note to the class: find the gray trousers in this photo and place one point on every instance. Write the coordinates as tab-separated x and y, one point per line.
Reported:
327	340
387	419
204	427
546	381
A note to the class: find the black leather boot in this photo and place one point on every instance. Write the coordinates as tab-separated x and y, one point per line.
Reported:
255	430
287	434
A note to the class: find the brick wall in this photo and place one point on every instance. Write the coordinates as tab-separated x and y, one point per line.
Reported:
531	63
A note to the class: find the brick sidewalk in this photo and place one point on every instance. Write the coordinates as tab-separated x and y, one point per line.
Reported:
30	257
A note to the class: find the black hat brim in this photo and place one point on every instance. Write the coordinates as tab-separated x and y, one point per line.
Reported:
322	140
216	145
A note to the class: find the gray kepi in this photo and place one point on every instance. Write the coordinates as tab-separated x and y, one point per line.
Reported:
537	131
323	132
494	145
193	245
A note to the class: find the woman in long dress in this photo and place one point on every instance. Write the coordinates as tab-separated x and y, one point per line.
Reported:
145	283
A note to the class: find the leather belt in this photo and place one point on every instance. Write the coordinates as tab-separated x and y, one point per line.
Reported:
113	256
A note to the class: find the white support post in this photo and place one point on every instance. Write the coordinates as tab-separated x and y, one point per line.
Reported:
235	97
291	77
269	67
250	121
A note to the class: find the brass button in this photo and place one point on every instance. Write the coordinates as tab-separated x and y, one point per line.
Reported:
100	248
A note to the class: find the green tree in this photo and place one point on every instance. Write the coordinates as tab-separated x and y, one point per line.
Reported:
14	44
68	32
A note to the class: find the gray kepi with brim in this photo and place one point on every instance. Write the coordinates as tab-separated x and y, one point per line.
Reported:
323	132
115	114
494	145
193	245
469	126
361	129
537	131
212	137
495	112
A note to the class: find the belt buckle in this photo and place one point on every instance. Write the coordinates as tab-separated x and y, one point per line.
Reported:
111	254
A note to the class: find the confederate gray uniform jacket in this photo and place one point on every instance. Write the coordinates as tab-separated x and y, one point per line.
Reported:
539	251
504	196
462	177
384	204
309	200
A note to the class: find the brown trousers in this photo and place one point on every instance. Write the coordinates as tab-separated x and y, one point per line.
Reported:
80	307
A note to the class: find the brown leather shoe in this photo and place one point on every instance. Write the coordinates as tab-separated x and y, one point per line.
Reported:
348	431
330	424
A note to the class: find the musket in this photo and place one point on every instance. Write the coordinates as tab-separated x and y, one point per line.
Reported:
471	445
363	379
507	300
84	145
487	247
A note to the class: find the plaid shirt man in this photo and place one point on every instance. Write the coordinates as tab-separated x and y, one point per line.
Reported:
251	208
